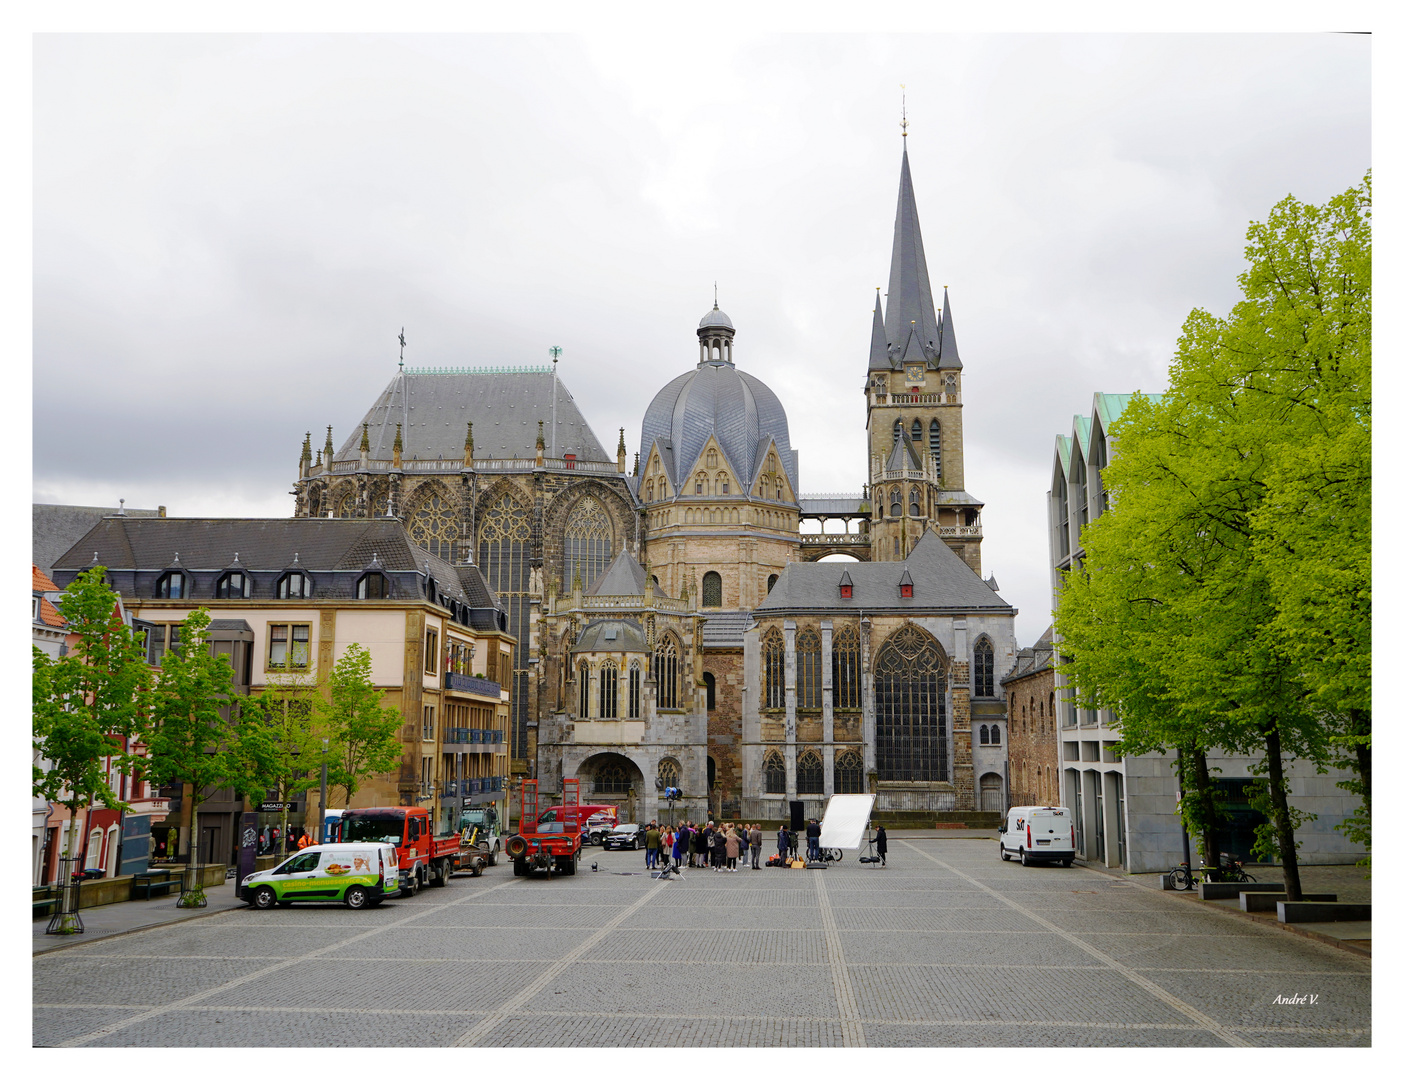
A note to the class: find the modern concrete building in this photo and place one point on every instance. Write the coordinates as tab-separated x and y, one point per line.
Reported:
1126	810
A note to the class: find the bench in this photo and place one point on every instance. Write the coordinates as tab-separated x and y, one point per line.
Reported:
1231	890
161	879
45	906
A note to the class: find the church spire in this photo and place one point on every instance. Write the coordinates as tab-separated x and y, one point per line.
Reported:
877	352
911	315
950	356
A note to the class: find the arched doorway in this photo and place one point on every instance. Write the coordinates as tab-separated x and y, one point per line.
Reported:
613	778
910	684
992	793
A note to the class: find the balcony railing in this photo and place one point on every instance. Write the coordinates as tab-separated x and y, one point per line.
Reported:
453	465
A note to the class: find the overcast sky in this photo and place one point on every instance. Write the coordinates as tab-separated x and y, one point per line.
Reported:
230	231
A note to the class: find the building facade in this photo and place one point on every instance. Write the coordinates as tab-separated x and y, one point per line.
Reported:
287	598
1032	735
1126	811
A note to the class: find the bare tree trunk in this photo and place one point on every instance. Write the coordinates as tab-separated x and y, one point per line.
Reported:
1281	816
192	847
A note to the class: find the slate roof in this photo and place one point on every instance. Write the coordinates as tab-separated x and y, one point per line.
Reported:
56	527
269	546
943	582
622	577
433	411
717	399
724	629
628	637
911	327
904	455
1033	659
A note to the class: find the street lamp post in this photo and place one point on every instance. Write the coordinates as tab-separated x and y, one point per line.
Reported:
322	806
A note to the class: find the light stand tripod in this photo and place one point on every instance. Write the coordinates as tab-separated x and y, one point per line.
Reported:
870	855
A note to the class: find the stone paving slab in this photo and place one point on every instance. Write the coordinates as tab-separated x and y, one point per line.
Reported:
1342	1000
1243	950
664	1031
729	946
1032	948
732	990
86	979
292	1029
1035	1035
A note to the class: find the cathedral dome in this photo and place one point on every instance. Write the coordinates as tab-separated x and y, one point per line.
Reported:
716	400
715	318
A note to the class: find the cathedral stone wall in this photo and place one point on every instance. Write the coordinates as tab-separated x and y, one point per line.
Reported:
724	725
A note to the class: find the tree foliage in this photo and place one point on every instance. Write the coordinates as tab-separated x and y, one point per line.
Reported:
364	734
1225	597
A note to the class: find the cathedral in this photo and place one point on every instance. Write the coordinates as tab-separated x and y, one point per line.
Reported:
675	627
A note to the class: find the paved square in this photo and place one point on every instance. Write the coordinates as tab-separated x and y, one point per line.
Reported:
946	946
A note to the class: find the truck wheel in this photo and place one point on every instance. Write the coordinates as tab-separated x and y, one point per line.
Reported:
263	898
1024	859
356	898
1003	855
412	883
518	868
492	857
441	873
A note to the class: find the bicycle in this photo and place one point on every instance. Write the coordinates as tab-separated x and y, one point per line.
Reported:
831	854
1230	869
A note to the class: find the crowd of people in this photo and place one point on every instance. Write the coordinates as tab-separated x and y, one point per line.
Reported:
728	847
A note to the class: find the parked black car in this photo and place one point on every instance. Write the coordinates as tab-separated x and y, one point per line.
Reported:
626	836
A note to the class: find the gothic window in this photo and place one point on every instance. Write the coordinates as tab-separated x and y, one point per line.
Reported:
808	677
711	459
434	527
984	734
994	734
582	675
232	586
669	772
294	586
711	589
910	685
504	553
896	429
773	668
612	778
934	437
649	497
896	506
589	542
698	490
916	431
710	682
846	681
809	774
848	773
635	691
372	586
344	505
774	773
172	586
984	668
665	670
609	691
916	503
725	484
770	583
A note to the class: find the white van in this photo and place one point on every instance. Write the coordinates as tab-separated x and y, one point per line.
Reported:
358	875
1038	834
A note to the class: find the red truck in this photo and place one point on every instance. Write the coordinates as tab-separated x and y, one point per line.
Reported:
424	858
548	840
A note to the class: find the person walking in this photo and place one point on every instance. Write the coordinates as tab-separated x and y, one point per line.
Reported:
651	840
303	841
755	846
882	844
733	848
811	835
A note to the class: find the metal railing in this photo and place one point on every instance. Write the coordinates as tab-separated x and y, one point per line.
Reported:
471	684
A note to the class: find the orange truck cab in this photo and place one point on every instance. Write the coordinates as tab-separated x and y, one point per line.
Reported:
425	859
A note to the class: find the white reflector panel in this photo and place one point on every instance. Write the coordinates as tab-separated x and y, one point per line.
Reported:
845	818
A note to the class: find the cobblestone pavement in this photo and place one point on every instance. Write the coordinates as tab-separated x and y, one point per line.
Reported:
946	946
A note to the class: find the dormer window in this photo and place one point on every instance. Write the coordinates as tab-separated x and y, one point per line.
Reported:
372	587
232	586
904	586
845	587
172	585
294	586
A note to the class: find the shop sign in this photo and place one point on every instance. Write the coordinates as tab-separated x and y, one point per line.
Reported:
277	807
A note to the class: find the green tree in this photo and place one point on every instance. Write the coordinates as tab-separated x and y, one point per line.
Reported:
365	736
88	705
201	736
291	714
1183	618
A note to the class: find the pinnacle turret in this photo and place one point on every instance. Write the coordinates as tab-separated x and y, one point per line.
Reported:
950	355
877	352
911	327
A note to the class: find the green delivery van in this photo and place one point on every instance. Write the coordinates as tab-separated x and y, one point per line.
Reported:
357	875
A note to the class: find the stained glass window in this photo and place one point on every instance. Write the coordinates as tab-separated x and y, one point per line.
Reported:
711	589
774	773
665	670
589	542
609	691
808	665
635	690
773	668
434	526
847	682
809	774
911	708
848	773
984	669
504	553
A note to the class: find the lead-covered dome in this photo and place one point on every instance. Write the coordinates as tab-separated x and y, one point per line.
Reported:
715	399
715	318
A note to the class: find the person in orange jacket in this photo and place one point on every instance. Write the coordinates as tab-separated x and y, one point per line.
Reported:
303	841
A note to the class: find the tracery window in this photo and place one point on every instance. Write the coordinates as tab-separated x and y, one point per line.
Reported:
848	773
773	668
847	684
994	734
808	667
611	778
774	773
711	589
635	690
711	459
910	684
665	670
589	542
670	772
809	774
916	503
434	527
916	431
504	553
582	675
896	506
609	690
984	734
984	668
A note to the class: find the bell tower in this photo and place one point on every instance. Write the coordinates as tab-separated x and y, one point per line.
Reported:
916	456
